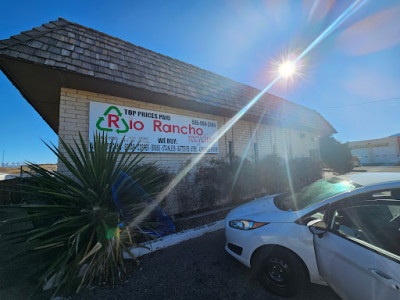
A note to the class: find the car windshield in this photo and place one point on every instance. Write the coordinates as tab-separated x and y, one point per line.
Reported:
313	193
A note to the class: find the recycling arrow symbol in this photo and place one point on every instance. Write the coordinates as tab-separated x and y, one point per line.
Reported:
111	108
126	127
101	119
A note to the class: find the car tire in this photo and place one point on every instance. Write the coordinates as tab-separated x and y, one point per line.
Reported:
280	271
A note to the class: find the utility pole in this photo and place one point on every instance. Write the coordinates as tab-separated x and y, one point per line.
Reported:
2	163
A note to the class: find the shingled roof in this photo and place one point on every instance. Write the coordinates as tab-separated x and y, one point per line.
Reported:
64	54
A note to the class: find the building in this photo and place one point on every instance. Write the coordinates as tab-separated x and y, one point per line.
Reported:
82	80
378	151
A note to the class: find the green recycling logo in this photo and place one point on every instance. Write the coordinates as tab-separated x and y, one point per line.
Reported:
112	119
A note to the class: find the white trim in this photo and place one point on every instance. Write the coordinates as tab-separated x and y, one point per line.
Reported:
174	239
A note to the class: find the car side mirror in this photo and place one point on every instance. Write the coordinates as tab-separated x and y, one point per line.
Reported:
317	227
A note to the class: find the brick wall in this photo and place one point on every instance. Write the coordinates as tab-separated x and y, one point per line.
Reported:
74	118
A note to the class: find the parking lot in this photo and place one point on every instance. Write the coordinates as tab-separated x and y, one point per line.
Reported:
196	269
377	169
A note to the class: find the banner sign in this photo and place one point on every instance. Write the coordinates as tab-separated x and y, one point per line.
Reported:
154	131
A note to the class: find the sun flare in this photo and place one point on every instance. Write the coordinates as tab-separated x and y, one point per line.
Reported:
287	69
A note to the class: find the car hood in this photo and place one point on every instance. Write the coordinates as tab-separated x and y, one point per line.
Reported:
262	210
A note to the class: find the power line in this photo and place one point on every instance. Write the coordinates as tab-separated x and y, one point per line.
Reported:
364	103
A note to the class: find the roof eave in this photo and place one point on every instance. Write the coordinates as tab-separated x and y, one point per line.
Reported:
40	85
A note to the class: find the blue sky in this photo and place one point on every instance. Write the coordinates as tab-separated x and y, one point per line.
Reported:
357	64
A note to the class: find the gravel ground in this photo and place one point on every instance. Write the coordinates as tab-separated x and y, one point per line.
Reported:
196	269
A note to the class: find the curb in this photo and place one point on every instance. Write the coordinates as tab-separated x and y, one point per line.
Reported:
205	213
174	239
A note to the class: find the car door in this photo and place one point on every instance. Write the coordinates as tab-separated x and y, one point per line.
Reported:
358	253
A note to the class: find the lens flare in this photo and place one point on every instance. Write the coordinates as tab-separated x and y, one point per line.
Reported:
375	33
220	133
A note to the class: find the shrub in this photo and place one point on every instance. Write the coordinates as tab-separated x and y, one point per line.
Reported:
186	192
243	182
219	181
187	195
79	232
211	179
336	155
304	171
272	176
276	175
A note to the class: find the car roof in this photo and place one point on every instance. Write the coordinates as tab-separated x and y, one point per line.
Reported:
368	179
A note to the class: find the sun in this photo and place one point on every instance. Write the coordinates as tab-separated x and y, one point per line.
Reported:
287	69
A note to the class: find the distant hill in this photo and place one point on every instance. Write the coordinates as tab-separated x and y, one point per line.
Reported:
395	135
16	170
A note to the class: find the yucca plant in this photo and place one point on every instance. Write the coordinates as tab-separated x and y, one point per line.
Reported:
77	223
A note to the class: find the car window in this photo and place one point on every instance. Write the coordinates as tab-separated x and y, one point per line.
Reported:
374	223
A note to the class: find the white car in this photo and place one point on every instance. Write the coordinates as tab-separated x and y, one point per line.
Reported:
270	234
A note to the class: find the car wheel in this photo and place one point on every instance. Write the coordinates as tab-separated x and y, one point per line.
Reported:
280	271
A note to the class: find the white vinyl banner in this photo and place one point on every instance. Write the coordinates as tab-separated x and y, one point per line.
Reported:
154	131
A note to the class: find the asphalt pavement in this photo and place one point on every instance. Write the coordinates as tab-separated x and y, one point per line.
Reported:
376	169
195	269
369	169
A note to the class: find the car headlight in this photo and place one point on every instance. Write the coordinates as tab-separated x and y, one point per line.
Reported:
246	224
